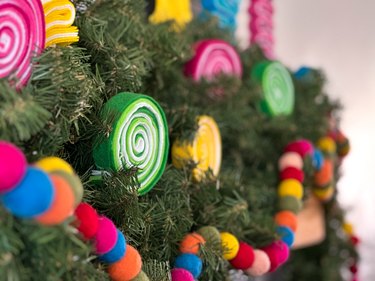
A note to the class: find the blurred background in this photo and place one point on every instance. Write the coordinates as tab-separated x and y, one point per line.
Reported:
338	36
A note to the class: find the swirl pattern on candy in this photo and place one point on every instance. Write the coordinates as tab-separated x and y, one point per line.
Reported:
139	138
212	57
59	17
204	150
22	35
277	86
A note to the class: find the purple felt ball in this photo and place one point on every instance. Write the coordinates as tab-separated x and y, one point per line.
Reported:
13	166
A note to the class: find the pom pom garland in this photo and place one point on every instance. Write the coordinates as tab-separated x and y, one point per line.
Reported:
106	236
286	218
290	159
292	173
327	145
62	205
302	147
126	268
32	197
51	164
141	277
290	187
290	203
244	258
13	166
190	262
181	274
287	235
118	250
230	245
87	220
261	264
211	235
191	243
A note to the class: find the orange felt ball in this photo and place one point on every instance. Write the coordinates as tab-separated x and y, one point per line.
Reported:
63	203
128	267
191	243
286	218
325	174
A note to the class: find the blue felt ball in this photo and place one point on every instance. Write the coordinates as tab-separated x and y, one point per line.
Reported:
32	197
317	159
286	234
190	262
117	252
302	72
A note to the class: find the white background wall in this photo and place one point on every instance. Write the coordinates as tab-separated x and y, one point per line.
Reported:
339	37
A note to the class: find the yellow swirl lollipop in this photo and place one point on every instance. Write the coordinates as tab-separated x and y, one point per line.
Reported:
204	150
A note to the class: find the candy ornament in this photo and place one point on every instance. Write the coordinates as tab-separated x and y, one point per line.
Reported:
213	57
139	138
59	18
204	150
22	35
225	11
277	87
178	11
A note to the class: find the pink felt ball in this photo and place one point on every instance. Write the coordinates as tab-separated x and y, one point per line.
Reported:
302	147
106	236
244	258
290	159
13	166
278	253
180	274
261	264
292	173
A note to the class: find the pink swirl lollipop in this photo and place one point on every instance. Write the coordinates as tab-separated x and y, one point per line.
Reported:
22	35
212	57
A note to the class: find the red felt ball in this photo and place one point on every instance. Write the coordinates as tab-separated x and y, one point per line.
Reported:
353	269
244	258
355	240
87	220
292	173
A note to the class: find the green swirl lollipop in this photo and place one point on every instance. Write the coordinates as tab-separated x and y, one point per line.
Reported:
139	138
277	86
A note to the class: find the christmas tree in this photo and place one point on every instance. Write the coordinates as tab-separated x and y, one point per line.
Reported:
73	107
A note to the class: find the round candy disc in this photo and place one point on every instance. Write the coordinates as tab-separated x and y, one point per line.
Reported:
213	57
278	89
204	150
32	197
63	203
13	165
22	35
139	138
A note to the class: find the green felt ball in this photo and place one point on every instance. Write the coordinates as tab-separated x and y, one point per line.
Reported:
290	203
141	277
211	235
74	182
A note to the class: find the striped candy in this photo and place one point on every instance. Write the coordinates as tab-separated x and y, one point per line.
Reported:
212	57
59	17
22	35
224	10
139	138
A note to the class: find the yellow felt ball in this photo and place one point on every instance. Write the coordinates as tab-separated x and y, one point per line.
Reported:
176	10
327	145
230	245
50	164
325	194
348	228
290	187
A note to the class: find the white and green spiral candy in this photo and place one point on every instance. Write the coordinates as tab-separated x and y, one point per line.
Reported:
139	138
